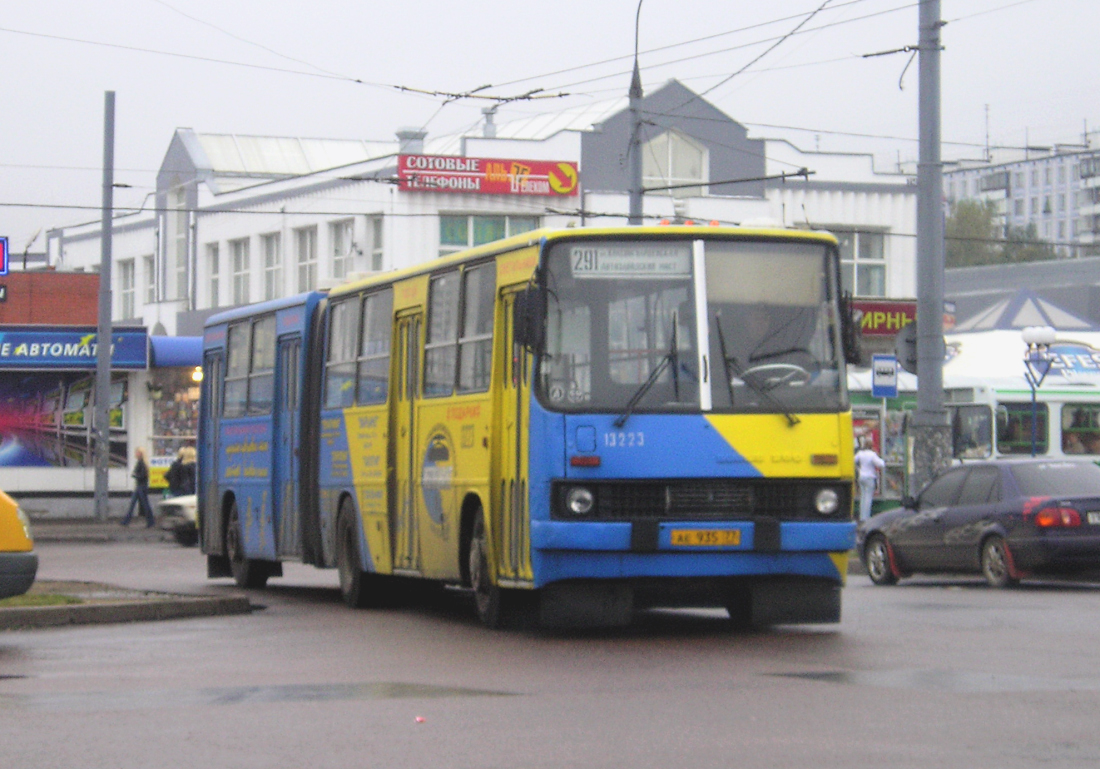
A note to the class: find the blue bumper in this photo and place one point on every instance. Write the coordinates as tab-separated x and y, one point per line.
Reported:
568	550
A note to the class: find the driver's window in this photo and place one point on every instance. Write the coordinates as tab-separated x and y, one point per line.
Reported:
943	491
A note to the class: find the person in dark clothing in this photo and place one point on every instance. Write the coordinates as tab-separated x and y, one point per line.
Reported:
141	490
181	474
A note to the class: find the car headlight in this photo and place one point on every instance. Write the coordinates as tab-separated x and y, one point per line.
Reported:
826	501
579	501
25	521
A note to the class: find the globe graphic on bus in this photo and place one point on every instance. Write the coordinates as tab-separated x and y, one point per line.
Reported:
437	472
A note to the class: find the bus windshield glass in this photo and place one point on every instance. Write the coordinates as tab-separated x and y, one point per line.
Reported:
623	331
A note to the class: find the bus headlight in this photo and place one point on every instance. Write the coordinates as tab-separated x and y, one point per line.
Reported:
579	501
826	501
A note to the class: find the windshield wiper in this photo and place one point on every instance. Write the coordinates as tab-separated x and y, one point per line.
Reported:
730	362
671	358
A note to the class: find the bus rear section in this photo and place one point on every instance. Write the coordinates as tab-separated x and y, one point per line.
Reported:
256	486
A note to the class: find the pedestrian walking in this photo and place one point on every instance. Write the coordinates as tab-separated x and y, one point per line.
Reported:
868	465
141	490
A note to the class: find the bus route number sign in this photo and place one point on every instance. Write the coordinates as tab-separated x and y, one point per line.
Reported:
630	261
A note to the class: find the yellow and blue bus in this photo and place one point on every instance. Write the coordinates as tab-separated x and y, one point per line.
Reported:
571	423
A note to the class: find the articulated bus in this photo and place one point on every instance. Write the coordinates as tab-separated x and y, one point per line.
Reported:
571	423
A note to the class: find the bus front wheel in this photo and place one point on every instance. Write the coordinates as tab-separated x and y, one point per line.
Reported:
247	572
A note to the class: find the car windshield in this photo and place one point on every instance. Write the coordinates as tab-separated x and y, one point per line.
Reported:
623	330
1058	479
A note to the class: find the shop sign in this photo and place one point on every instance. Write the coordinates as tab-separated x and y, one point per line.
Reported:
3	256
884	317
486	176
69	347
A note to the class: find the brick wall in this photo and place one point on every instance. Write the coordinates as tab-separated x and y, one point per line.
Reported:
51	298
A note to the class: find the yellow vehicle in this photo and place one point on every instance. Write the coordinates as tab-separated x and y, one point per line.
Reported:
18	561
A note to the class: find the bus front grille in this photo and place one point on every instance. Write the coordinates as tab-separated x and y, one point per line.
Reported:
706	499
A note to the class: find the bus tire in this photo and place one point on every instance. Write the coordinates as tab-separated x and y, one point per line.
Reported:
488	596
357	587
247	572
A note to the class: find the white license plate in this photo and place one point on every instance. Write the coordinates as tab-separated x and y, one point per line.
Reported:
1094	518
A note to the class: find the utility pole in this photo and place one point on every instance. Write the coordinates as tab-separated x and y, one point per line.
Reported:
634	149
930	429
102	420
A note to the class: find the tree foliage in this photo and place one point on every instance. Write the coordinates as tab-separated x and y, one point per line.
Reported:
974	238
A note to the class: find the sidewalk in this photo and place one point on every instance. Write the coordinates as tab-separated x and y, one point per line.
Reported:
49	529
82	603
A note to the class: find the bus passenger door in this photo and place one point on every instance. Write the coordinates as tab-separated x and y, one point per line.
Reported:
512	533
406	551
213	370
288	540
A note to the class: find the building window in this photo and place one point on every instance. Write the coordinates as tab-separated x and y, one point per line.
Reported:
374	229
1034	177
1061	174
672	159
214	272
241	270
181	218
273	266
1062	202
1018	206
459	232
1033	209
1020	180
1061	230
126	288
1047	175
862	262
305	241
343	247
149	266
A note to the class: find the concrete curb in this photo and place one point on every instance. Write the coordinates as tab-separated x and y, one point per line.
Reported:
161	606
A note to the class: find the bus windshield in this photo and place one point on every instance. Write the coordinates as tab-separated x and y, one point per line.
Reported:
623	331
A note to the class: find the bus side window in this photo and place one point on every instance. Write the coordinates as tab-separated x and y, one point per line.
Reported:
374	353
441	346
1080	428
475	345
972	431
236	374
261	377
342	343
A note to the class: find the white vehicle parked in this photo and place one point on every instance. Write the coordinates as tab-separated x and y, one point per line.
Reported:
179	515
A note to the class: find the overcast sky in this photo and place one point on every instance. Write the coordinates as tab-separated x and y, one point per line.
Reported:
174	63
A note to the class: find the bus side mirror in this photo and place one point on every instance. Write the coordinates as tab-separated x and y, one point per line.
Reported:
529	318
851	331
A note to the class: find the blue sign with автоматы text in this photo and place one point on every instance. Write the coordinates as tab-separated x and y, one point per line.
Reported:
70	347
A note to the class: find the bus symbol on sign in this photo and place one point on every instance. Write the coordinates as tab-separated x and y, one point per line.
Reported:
884	376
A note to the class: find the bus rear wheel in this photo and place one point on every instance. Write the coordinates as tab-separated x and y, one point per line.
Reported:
247	572
358	588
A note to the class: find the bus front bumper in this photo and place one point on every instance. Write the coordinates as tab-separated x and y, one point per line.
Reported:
610	550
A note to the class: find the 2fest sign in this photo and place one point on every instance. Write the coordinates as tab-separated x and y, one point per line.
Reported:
486	176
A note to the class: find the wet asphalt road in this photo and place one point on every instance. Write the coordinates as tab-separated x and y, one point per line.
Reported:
932	673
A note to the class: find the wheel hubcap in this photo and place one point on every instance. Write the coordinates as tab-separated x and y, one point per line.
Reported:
876	560
995	564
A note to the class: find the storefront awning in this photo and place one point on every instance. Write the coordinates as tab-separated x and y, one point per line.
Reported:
169	351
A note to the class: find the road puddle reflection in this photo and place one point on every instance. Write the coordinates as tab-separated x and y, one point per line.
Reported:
948	681
233	695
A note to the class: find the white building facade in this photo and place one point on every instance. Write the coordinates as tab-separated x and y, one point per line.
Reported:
241	219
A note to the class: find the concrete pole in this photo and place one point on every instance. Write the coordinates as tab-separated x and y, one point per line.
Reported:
930	431
634	149
101	422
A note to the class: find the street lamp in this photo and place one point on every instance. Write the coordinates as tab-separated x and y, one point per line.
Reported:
1036	366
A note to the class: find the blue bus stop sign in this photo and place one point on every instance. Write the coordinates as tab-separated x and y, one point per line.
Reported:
884	376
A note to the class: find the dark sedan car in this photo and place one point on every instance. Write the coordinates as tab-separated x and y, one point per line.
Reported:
1004	519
